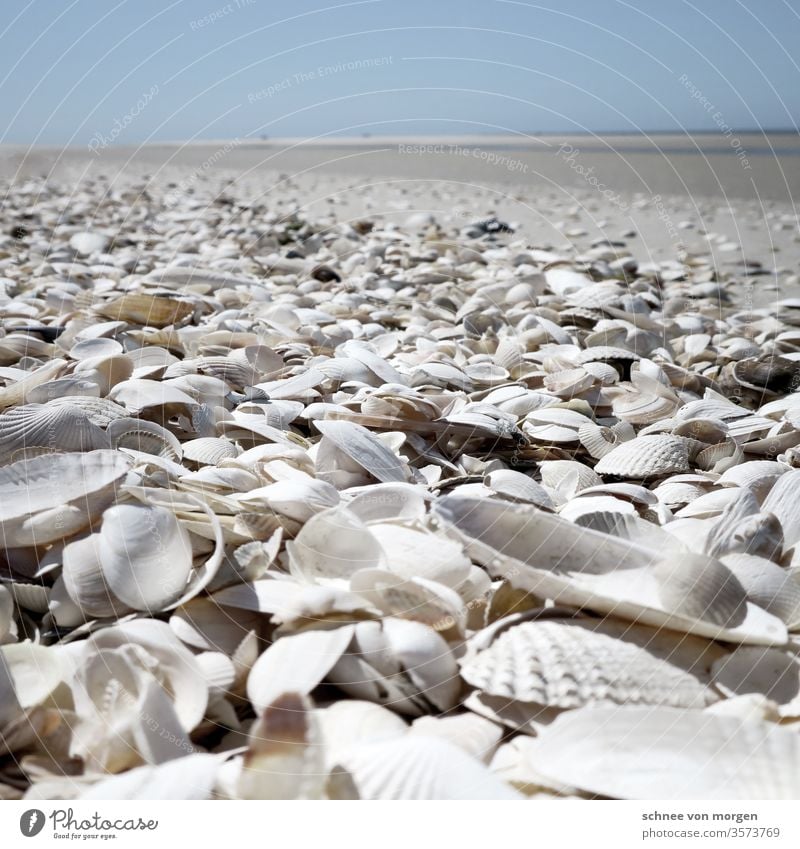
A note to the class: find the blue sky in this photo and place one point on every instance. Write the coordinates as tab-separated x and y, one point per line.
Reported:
149	70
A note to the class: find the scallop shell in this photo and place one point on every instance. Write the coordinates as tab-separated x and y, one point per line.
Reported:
295	664
572	663
209	450
767	585
421	767
33	428
399	663
646	457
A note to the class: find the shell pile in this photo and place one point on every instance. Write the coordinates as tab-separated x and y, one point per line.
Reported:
317	509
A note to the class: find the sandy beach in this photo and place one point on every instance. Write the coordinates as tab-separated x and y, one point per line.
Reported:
696	193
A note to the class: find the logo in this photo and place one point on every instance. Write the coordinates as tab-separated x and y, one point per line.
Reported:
31	822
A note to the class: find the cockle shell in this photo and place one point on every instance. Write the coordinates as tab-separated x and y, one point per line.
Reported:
571	663
33	429
646	457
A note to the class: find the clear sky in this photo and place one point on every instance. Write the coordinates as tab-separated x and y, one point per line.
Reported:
136	70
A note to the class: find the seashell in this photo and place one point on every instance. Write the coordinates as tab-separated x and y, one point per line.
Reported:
331	546
472	733
413	552
192	776
100	411
51	497
767	585
146	310
562	663
599	441
518	487
144	554
399	663
567	477
295	664
208	451
146	437
646	457
19	391
619	762
682	591
421	767
387	502
569	383
741	528
297	499
782	502
33	429
419	599
364	449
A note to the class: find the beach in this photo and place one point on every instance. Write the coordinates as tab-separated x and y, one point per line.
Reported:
733	199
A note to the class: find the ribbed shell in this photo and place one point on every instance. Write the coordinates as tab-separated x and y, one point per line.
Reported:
209	450
144	436
36	429
646	457
568	664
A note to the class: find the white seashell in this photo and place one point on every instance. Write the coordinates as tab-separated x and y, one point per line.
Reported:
573	663
399	663
364	449
599	441
688	592
699	755
768	586
145	555
518	487
145	437
295	664
297	499
332	546
209	450
48	498
417	766
411	553
646	457
32	429
190	777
